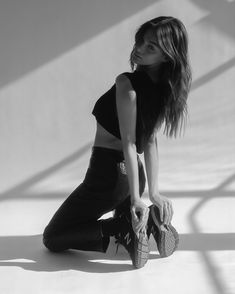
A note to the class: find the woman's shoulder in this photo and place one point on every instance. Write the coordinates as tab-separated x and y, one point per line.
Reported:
124	80
130	75
128	80
125	88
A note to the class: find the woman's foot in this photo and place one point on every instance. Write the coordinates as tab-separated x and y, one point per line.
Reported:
166	236
137	247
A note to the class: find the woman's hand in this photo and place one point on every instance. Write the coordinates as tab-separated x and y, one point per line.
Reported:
139	213
165	207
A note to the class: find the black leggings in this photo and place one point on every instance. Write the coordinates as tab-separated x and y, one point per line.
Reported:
76	224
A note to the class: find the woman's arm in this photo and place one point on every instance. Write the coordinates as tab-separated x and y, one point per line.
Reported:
152	165
152	170
126	109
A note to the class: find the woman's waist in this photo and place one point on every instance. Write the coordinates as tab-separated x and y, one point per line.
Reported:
104	138
106	154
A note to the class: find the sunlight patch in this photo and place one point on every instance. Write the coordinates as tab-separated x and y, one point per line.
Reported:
20	260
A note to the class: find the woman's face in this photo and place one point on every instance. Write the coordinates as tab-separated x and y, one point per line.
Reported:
148	52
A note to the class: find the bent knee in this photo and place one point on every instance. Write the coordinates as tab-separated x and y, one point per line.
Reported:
50	241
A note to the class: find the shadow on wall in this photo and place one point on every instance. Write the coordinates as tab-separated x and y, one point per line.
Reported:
213	74
221	15
35	32
21	190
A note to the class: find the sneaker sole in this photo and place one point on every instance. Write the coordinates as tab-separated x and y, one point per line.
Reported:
168	239
141	251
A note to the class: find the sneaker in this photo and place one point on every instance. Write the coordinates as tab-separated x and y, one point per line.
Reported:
138	248
166	236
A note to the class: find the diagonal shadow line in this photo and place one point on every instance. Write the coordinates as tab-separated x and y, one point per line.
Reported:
213	74
43	174
49	29
226	182
221	15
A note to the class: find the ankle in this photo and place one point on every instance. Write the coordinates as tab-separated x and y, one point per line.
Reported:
109	227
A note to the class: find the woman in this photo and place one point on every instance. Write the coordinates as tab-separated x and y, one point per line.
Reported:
128	118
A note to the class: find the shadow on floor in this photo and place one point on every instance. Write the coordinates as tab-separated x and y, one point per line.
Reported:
38	258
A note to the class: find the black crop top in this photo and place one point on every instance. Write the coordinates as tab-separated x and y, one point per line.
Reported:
105	109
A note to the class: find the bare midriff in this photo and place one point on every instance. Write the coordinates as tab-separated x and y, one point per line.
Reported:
104	139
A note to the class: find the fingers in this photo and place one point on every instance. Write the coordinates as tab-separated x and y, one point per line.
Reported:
144	215
141	229
161	213
165	207
139	214
134	215
167	214
139	223
134	220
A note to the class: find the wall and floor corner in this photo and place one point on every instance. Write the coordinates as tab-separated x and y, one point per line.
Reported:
56	59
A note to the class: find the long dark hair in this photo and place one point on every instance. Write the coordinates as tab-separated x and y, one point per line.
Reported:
175	72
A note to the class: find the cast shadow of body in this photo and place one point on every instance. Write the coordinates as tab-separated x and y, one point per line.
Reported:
38	258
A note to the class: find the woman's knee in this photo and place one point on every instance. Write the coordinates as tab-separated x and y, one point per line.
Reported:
50	241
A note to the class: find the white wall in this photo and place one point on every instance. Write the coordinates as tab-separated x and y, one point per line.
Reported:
58	57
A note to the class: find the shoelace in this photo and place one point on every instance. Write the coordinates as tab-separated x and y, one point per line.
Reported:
117	241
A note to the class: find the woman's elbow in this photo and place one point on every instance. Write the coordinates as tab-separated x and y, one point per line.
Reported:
149	145
129	145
